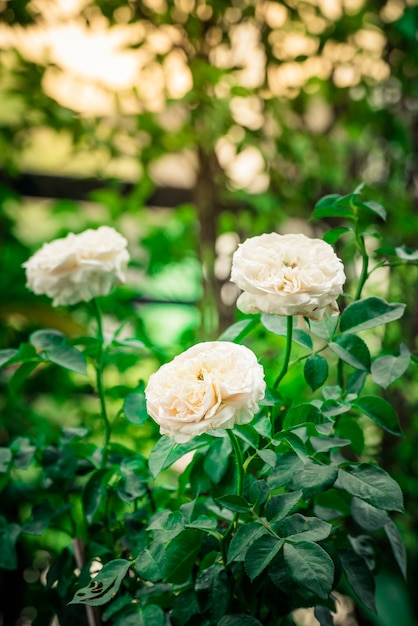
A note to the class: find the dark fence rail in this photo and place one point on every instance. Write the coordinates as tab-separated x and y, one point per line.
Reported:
72	188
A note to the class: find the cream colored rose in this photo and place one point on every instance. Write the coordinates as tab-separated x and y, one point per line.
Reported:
288	275
211	385
80	267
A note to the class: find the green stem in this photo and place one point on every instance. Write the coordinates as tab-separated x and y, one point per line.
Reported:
99	379
286	358
239	462
340	373
364	268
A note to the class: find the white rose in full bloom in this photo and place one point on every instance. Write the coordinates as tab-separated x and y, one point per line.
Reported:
288	275
80	267
215	384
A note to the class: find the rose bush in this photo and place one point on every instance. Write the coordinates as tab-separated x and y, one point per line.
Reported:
287	275
78	268
211	385
286	510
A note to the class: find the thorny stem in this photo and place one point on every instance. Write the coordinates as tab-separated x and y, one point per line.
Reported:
99	379
286	358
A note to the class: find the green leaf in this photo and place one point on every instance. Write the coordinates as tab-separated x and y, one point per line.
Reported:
401	252
151	615
217	458
356	382
5	460
314	478
352	350
287	467
334	234
367	516
160	454
272	398
328	207
297	528
259	491
116	607
47	339
104	586
21	375
372	484
134	479
310	566
40	520
94	493
398	546
243	538
268	456
369	313
324	328
331	408
166	452
277	324
26	352
180	556
303	414
170	523
67	357
23	452
213	581
235	503
373	207
381	412
387	368
325	444
149	563
323	615
279	506
9	533
349	428
260	553
359	576
292	441
186	606
238	331
130	342
315	371
7	355
135	408
239	619
247	433
203	522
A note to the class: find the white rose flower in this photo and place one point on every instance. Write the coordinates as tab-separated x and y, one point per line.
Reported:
288	275
80	267
211	385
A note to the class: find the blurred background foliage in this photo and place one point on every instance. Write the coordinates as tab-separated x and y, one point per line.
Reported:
190	125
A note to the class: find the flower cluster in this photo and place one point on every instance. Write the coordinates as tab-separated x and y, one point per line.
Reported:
215	384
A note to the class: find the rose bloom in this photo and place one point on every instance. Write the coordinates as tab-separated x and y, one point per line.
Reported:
288	275
211	385
80	267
